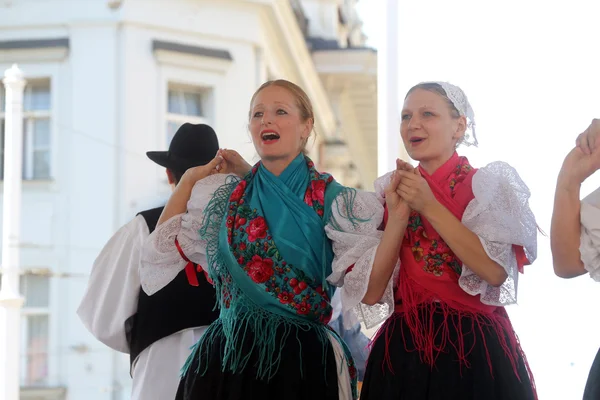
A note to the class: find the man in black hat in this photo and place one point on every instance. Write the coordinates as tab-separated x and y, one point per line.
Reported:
156	331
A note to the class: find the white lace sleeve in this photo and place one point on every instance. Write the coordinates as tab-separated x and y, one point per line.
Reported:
500	215
161	261
355	245
590	234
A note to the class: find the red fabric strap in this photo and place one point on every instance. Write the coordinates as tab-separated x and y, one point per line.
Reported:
190	270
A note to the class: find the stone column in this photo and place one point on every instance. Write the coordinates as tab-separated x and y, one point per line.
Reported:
10	299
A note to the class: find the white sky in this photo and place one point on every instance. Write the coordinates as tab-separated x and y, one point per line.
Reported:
531	70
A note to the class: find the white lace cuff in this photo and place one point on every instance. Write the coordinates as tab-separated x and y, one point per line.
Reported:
161	261
355	245
500	215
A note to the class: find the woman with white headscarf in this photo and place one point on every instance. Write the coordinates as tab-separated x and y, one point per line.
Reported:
445	265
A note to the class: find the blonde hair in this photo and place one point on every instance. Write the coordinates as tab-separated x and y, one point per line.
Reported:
302	101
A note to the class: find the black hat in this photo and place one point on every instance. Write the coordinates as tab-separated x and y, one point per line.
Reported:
192	145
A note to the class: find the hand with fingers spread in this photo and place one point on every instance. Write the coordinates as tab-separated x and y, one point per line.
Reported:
397	207
589	139
233	163
415	190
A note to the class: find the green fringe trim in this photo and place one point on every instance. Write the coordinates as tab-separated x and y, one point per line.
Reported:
188	362
346	210
217	329
268	331
256	331
214	217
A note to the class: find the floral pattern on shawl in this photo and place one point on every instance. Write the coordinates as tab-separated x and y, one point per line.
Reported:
256	252
434	253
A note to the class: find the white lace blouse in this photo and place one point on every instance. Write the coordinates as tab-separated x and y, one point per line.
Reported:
499	215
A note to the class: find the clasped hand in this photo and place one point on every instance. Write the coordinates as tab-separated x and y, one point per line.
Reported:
407	191
225	162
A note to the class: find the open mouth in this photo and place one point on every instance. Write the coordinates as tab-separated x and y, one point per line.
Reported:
269	136
416	140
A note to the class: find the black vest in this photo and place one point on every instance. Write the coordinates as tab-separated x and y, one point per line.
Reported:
175	307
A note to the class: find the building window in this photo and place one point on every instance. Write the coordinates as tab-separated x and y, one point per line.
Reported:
37	148
186	104
35	327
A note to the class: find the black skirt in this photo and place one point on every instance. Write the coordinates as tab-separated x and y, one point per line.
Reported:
592	387
307	371
406	377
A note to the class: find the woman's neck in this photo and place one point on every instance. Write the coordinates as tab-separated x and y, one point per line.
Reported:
433	164
277	165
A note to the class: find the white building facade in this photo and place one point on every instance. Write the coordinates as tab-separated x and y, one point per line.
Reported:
108	80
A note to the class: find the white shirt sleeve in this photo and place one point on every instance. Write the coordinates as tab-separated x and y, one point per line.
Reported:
590	234
113	288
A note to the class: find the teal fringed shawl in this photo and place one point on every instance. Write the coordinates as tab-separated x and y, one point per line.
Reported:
269	257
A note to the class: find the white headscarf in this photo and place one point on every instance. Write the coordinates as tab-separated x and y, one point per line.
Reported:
460	101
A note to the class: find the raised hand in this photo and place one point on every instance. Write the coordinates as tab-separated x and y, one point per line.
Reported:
578	166
193	175
415	191
589	139
403	166
233	163
397	208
